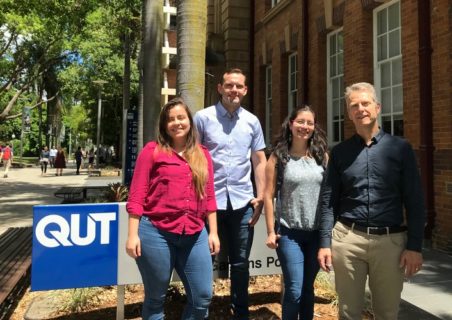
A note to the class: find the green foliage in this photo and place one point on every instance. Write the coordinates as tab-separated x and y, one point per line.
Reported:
117	192
61	47
79	299
76	120
324	284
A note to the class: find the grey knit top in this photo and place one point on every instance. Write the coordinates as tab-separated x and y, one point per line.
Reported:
300	190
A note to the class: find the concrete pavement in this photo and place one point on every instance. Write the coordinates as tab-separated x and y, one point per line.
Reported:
25	187
430	291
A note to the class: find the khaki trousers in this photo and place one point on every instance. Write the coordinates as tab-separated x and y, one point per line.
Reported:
7	164
356	256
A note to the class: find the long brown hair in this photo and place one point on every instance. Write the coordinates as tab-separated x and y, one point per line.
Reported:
317	144
193	153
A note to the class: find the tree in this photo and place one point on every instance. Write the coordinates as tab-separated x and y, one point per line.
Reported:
191	49
33	36
152	66
61	47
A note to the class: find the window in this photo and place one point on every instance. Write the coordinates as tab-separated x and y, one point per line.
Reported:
268	105
335	86
388	66
292	94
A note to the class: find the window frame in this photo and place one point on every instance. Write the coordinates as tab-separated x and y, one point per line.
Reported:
292	91
330	100
379	64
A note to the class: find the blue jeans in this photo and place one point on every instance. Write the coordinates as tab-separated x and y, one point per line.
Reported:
236	238
297	251
161	252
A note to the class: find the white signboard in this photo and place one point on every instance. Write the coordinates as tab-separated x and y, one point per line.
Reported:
262	261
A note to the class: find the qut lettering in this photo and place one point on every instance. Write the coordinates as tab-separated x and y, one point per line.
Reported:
68	234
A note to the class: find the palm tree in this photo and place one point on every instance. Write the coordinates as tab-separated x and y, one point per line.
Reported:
191	46
151	61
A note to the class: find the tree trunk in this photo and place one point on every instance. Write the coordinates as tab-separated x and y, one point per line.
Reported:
152	66
191	49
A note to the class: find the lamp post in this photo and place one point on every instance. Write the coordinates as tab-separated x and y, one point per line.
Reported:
13	136
100	83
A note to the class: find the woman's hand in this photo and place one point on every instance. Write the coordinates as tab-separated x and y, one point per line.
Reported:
214	243
272	240
133	246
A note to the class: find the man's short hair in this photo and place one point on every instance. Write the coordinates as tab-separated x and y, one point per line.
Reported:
232	70
360	86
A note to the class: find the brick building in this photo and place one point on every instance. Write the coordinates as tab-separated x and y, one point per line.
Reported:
308	51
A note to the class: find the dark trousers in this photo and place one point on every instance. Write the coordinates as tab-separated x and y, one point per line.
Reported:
236	237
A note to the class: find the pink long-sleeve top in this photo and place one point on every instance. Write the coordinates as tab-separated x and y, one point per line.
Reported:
162	189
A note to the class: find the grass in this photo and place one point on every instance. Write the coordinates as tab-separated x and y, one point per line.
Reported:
26	160
77	300
324	286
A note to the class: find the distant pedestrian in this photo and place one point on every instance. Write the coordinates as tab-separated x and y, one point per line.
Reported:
60	162
52	155
91	155
78	159
6	155
84	158
44	160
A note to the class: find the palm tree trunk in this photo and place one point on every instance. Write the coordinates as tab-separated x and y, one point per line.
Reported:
152	65
191	49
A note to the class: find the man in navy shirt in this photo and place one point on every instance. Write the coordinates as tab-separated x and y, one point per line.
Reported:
233	136
372	190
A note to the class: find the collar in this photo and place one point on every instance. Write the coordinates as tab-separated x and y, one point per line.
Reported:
375	139
223	112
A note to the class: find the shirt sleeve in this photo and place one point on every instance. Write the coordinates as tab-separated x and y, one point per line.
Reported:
141	179
199	126
210	190
413	199
258	142
329	192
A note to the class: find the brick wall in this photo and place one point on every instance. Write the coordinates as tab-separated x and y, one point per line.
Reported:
410	65
317	83
276	37
357	29
441	24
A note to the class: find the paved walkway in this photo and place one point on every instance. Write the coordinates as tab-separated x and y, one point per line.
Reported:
430	291
426	296
25	187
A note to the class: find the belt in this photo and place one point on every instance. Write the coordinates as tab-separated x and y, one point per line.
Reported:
372	230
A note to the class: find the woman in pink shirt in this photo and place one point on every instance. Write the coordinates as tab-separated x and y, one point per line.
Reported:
171	196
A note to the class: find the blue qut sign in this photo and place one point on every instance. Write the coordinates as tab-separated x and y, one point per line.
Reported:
74	246
83	245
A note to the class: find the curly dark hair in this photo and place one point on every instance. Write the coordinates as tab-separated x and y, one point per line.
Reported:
317	144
